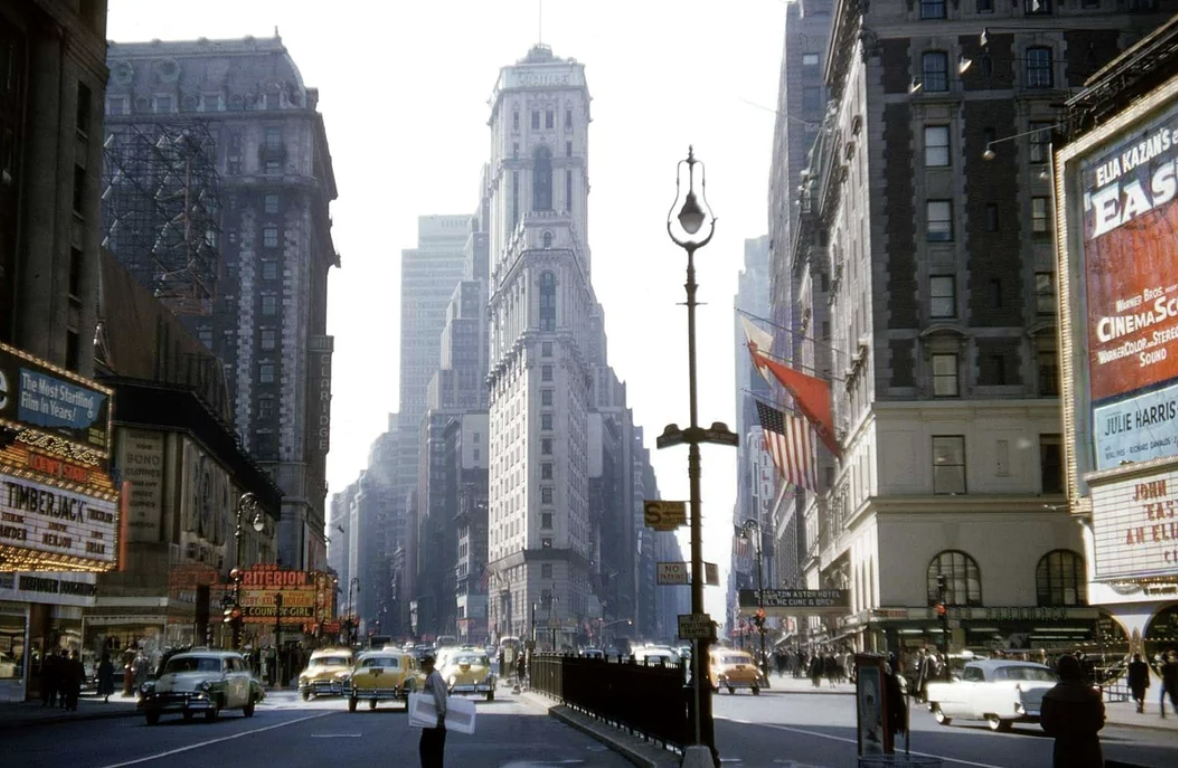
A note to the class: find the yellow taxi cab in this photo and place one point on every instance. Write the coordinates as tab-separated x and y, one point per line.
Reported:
387	675
468	670
324	675
734	669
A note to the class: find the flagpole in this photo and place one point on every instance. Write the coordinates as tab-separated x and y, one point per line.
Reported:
790	331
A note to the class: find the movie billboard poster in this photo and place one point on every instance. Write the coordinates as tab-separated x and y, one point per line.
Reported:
870	705
1130	269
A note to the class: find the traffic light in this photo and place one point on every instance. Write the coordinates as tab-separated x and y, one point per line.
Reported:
941	609
759	619
228	614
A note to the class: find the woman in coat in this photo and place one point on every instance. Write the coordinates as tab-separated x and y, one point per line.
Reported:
1073	713
106	677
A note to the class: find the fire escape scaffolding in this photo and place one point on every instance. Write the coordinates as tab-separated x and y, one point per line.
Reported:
161	199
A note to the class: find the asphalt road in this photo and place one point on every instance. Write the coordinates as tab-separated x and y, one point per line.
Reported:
819	730
294	734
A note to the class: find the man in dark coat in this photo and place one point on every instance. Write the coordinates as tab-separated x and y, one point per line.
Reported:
1073	713
1169	673
51	677
1138	680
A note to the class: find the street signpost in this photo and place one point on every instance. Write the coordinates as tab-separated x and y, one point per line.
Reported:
664	515
696	626
712	574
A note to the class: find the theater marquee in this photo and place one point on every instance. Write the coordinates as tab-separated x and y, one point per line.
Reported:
1135	523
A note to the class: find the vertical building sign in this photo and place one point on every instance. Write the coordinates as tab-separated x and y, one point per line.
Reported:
319	390
140	459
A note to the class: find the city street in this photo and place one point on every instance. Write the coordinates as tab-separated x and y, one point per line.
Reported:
819	730
288	732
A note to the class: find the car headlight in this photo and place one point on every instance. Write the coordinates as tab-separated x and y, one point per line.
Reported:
147	687
205	686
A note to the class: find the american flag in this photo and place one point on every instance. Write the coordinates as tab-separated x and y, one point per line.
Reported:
790	441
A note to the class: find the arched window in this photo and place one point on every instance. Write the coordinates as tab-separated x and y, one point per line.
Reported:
547	302
1060	579
542	180
962	579
546	238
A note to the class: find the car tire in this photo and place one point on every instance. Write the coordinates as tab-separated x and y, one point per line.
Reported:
938	715
153	718
997	724
372	703
248	709
352	702
306	695
211	715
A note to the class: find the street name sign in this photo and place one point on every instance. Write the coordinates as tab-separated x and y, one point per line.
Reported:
696	626
664	515
674	573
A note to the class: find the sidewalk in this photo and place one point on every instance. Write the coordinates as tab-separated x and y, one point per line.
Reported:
29	713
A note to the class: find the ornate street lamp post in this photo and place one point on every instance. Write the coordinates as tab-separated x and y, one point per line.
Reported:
690	224
750	526
353	621
247	503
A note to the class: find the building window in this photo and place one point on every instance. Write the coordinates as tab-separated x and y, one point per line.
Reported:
1045	293
961	576
546	471
1036	7
514	198
515	150
995	293
271	203
118	105
546	373
75	275
1048	363
273	168
1051	463
1040	142
940	221
515	121
535	119
273	138
265	408
568	149
546	422
568	190
1041	215
811	98
269	339
936	146
546	349
542	180
82	111
205	334
568	118
993	371
546	521
162	105
79	189
546	239
945	375
270	270
1039	67
546	494
948	464
991	217
269	304
270	236
935	70
942	296
547	302
932	9
549	119
985	6
1061	579
546	570
810	59
266	373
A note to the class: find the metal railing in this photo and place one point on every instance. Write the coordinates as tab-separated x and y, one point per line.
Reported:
649	701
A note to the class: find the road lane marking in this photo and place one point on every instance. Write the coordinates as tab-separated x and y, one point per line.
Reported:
210	742
856	742
335	735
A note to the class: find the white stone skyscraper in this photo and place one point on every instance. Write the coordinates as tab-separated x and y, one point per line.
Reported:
545	329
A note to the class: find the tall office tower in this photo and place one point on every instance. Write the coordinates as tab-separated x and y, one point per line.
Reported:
925	226
262	307
542	308
52	80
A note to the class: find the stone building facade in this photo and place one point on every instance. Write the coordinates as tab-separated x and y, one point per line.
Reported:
269	311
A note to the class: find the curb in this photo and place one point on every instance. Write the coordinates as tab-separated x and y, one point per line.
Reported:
75	717
638	753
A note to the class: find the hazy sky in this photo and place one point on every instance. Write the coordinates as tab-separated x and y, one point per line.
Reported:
403	90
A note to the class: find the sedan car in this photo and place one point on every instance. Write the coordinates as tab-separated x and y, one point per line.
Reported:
997	691
469	672
201	681
734	669
325	672
383	676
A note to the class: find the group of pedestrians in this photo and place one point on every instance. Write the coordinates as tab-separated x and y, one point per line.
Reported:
832	666
1167	669
62	676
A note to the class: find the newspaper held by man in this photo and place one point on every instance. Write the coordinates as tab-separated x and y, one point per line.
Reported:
423	713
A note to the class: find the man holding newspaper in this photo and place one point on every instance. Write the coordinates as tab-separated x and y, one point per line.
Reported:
433	740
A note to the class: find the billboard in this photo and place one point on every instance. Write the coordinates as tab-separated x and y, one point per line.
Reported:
43	527
1135	527
272	595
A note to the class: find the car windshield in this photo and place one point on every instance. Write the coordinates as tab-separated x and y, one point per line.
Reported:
192	664
1035	674
470	660
336	661
385	662
736	660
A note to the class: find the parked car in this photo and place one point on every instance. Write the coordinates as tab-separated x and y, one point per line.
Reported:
388	675
325	672
998	691
654	655
734	669
201	681
469	672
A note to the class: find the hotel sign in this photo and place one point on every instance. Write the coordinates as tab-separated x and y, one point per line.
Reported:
43	527
1135	523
